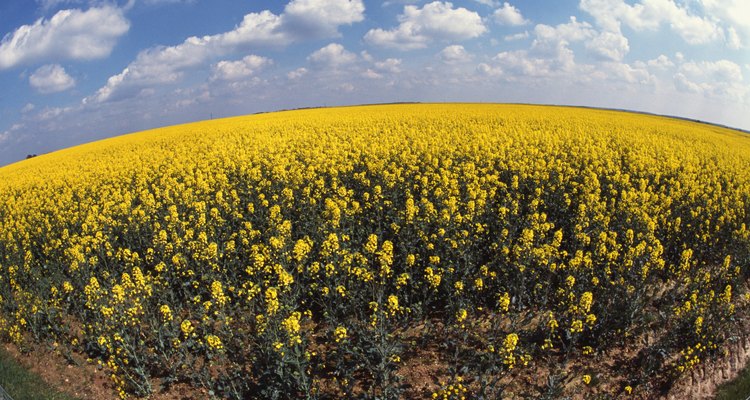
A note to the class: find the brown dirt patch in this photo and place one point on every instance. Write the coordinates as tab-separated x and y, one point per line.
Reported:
82	379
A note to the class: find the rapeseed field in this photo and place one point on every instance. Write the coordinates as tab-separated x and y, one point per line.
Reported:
397	251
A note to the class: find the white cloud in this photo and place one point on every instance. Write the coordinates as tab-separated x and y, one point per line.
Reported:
333	55
366	56
158	65
370	74
720	79
69	34
380	69
234	70
609	45
47	5
454	54
516	36
550	46
722	71
650	15
50	79
733	39
489	3
489	70
297	73
509	15
637	74
393	2
18	126
683	84
155	2
734	14
662	62
52	112
522	63
405	37
301	19
419	26
320	18
29	107
572	31
549	55
390	65
256	29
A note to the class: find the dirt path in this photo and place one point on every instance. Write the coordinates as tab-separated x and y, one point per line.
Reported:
702	383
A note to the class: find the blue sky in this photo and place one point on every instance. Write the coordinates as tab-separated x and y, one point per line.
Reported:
74	71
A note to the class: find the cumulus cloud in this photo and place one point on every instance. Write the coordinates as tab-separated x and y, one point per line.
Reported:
454	54
572	31
50	79
549	55
634	74
419	26
650	15
609	45
14	130
157	65
154	2
47	5
516	36
369	73
405	37
68	35
723	71
297	73
509	15
489	70
551	43
722	79
320	18
683	84
489	3
733	39
381	69
388	3
662	62
234	70
390	65
333	55
524	63
733	14
301	19
52	112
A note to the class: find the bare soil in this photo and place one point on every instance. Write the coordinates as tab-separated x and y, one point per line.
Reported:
423	370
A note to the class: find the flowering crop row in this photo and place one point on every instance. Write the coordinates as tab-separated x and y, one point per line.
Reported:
318	253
